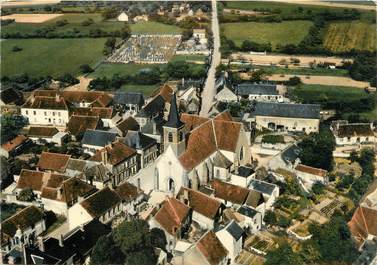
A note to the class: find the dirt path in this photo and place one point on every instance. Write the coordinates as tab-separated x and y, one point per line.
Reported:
82	86
322	80
209	90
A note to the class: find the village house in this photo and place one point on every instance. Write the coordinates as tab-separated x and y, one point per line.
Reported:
242	175
43	110
207	251
200	35
103	205
73	248
206	211
229	194
98	175
256	201
188	96
128	102
264	92
284	117
120	159
249	219
188	155
224	89
78	125
132	197
287	159
310	175
53	162
174	219
145	146
352	133
22	228
123	17
128	124
95	140
108	118
15	146
231	236
42	135
269	191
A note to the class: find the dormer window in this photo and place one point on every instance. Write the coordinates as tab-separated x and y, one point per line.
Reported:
170	137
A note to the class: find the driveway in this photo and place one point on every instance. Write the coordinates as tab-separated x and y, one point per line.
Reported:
209	90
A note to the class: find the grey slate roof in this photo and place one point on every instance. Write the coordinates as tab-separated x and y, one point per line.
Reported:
154	107
128	98
262	186
290	110
247	211
174	120
98	138
244	171
221	161
290	154
245	89
137	140
235	230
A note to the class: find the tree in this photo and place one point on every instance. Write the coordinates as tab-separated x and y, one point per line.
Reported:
105	251
110	43
283	255
354	156
145	256
109	13
85	69
125	32
293	81
270	218
318	188
26	195
132	236
10	125
177	69
158	238
68	79
317	149
16	49
257	76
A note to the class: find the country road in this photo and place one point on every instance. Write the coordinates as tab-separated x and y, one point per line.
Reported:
209	92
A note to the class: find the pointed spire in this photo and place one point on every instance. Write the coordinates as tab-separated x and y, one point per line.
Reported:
174	120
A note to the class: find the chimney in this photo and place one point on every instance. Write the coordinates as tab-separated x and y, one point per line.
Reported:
82	228
104	156
61	241
32	98
154	128
186	194
41	244
236	165
59	193
57	97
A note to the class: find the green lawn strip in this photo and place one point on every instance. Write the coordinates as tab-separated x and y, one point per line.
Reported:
304	71
42	57
287	32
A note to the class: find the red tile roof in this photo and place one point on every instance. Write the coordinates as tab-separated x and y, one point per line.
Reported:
230	192
79	124
30	179
311	170
227	134
128	124
100	202
201	202
211	248
15	142
192	121
117	152
41	102
103	113
363	223
171	215
128	191
53	161
224	116
39	131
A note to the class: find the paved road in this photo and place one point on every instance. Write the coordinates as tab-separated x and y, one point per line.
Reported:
209	92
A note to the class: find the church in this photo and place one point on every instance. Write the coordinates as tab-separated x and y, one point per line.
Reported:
197	149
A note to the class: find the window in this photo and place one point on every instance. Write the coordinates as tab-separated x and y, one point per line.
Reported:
217	173
26	112
170	137
59	114
53	113
45	113
34	112
180	136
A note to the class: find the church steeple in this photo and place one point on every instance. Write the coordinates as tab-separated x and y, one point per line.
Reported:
174	135
173	120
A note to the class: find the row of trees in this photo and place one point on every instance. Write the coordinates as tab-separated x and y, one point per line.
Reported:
130	243
151	76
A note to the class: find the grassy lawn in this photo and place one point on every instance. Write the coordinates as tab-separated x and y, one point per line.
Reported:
304	71
154	28
74	22
188	58
41	57
145	89
109	69
287	32
345	36
320	93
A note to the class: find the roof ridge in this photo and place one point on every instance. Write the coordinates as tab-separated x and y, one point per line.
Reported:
365	223
174	212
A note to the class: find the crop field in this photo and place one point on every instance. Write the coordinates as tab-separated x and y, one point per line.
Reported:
31	18
287	32
41	57
145	89
345	36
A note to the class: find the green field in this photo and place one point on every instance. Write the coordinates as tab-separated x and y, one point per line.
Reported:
189	58
109	69
74	22
345	36
304	71
321	93
154	28
287	32
145	89
41	57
